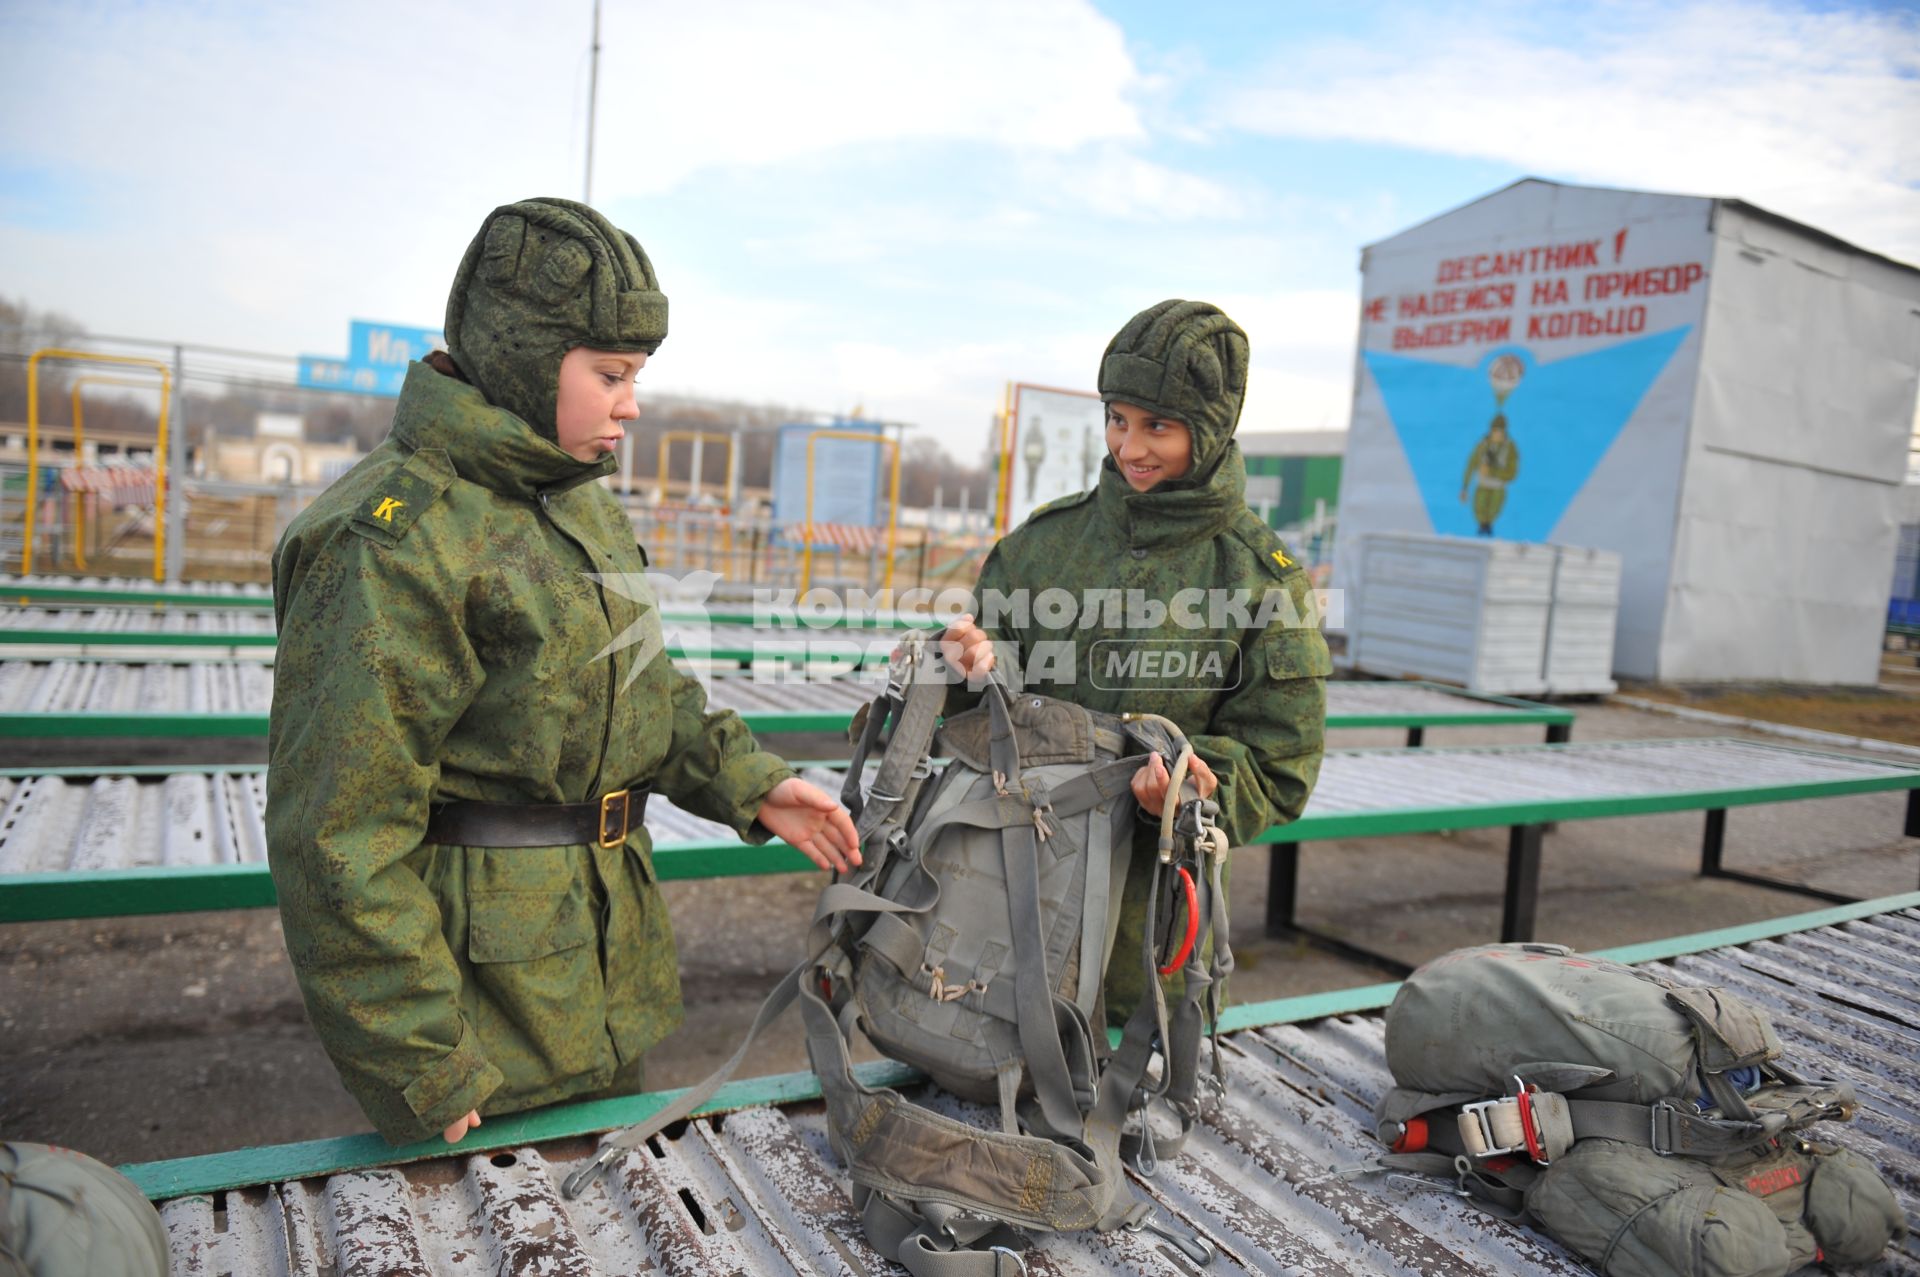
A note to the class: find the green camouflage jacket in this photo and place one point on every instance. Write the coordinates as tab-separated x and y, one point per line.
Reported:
1152	603
441	638
1176	602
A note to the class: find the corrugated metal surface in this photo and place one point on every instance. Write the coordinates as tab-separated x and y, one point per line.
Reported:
757	1192
81	621
1378	780
212	591
1390	699
50	823
246	687
174	687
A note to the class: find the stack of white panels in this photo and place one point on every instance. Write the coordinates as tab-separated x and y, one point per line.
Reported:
1466	610
1586	606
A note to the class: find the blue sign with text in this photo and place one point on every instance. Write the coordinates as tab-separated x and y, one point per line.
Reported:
846	479
377	358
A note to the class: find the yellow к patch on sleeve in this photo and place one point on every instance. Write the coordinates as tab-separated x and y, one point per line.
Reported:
1280	557
408	492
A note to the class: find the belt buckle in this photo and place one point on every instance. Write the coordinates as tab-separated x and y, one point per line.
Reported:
612	836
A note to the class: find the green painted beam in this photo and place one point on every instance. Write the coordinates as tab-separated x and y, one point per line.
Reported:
1752	932
40	726
276	1164
156	889
131	638
121	893
24	595
243	1168
1309	1006
1457	718
724	858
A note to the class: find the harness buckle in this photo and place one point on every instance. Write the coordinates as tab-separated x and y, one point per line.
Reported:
1508	1124
613	831
1659	1135
1476	1126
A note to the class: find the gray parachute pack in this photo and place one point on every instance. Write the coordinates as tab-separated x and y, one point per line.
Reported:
1651	1127
972	944
62	1212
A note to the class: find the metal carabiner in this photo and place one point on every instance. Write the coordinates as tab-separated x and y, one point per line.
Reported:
1192	1245
576	1183
1019	1260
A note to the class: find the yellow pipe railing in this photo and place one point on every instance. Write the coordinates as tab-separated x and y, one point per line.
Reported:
693	480
33	447
694	483
893	502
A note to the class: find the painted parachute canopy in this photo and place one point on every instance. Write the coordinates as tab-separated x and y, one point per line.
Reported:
1560	416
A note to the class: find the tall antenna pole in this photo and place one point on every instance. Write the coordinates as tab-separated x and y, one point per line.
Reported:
593	96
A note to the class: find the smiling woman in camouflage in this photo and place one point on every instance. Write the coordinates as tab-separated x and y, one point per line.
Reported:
1167	518
472	702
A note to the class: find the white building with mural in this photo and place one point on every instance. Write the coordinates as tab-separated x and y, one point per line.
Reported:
1720	395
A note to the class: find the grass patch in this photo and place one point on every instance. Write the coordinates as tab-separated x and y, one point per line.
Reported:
1881	715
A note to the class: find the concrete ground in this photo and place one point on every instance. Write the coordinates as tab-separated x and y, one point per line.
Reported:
146	1038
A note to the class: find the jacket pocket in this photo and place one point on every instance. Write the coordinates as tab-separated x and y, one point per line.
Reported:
1300	653
542	1004
521	926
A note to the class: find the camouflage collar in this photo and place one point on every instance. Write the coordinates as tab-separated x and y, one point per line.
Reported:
487	445
1179	512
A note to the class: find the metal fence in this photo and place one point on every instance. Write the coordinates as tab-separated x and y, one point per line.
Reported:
100	524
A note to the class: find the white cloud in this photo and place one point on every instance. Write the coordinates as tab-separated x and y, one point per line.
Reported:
246	176
1302	344
1813	114
765	351
814	77
1113	181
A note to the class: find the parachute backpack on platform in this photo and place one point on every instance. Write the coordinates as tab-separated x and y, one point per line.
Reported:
1651	1127
972	944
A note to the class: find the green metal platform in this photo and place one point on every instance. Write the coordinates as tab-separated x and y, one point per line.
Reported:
1362	793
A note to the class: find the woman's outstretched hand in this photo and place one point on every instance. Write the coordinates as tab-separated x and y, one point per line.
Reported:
805	817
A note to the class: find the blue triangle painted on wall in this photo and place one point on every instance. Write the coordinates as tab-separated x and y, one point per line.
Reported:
1562	416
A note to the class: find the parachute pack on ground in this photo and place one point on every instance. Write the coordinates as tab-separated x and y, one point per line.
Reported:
1653	1128
972	943
62	1212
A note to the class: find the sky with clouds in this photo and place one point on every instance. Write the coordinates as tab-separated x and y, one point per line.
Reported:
897	204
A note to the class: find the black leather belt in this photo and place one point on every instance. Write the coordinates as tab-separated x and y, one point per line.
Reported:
603	822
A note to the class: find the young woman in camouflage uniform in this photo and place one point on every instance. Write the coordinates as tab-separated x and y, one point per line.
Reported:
472	698
1168	527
